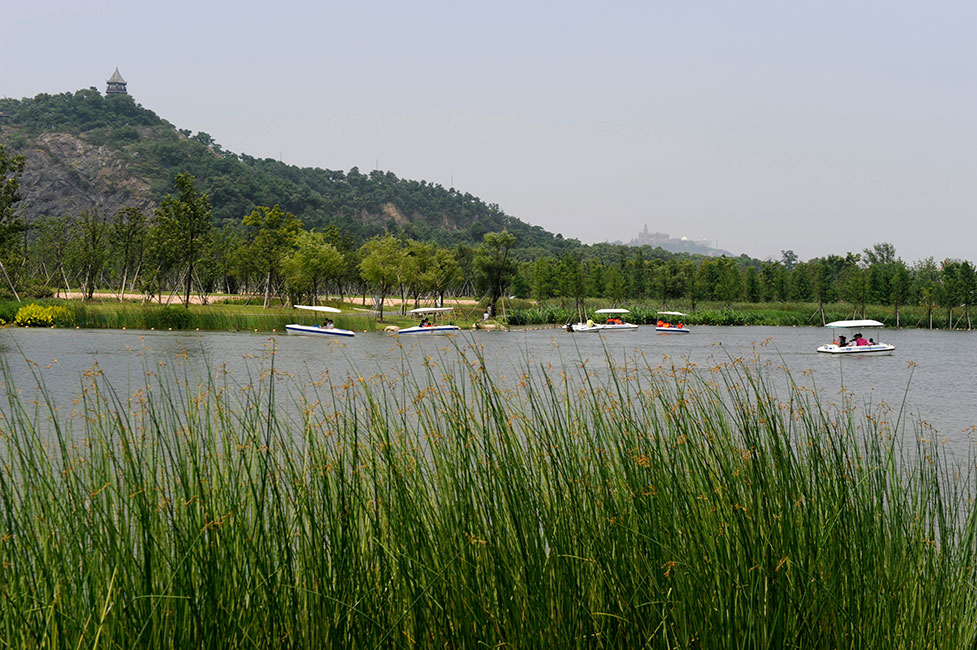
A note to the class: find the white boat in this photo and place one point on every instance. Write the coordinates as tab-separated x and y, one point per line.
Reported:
668	328
318	330
613	323
847	344
433	328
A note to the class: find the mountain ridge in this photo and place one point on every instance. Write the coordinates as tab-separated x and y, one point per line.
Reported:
86	151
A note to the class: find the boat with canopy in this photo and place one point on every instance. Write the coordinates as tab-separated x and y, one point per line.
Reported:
665	325
853	342
326	329
428	327
613	322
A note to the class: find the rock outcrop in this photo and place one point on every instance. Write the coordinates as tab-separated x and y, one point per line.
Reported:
64	175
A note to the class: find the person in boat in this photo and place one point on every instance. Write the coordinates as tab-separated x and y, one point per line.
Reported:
590	322
425	322
680	326
859	340
871	341
661	323
842	341
328	324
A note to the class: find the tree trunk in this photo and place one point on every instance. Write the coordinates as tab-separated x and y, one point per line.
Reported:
135	276
125	278
9	283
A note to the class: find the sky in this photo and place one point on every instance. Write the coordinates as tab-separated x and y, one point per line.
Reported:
819	127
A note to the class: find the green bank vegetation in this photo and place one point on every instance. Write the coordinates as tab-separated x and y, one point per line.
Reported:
130	315
642	506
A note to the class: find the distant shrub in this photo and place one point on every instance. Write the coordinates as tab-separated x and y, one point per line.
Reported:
34	315
39	291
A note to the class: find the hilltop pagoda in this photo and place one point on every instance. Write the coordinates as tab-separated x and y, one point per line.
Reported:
116	84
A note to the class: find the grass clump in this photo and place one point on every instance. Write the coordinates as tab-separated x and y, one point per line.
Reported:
621	506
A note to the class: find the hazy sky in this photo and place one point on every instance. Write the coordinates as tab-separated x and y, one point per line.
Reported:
821	127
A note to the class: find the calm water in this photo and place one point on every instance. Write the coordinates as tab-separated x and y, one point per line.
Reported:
942	390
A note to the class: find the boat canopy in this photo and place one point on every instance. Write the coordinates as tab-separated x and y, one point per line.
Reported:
612	311
331	310
430	310
671	313
855	324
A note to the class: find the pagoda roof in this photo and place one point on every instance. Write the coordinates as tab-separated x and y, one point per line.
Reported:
116	78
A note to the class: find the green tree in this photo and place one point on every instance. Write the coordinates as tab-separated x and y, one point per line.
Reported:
881	253
128	235
789	259
951	288
799	285
183	225
690	280
573	280
754	290
855	284
414	263
730	287
928	286
314	262
379	267
444	272
494	265
11	167
89	249
614	284
899	286
967	277
272	232
544	283
54	237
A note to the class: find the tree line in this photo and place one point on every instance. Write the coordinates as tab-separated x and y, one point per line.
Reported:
268	255
873	277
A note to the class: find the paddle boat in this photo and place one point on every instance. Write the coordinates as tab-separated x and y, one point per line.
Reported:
854	342
426	327
665	326
326	329
612	324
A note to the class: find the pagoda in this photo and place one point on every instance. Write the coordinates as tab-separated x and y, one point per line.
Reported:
116	84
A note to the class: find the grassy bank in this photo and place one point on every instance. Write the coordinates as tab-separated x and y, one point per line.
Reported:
647	507
777	314
218	317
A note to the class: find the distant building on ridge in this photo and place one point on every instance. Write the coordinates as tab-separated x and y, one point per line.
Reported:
116	84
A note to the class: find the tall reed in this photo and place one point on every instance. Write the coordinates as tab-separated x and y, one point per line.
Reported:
590	505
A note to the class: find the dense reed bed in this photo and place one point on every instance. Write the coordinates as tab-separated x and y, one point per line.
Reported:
596	505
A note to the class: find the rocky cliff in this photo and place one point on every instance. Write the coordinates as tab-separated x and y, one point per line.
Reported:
64	175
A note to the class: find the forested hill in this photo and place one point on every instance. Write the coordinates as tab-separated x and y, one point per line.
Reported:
84	150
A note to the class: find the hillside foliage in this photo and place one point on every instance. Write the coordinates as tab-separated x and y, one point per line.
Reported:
362	204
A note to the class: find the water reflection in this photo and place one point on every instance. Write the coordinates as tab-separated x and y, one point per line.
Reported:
940	364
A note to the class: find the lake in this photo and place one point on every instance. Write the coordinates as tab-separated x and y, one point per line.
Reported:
937	367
